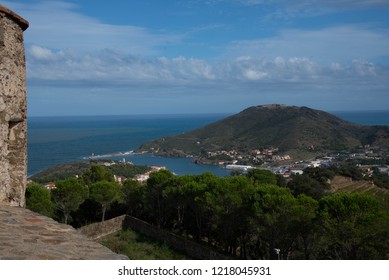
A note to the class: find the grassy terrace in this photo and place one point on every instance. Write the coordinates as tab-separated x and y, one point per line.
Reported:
343	184
140	247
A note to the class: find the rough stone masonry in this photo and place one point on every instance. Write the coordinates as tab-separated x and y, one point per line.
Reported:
23	233
13	109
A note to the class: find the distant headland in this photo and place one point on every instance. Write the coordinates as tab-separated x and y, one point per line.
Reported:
272	133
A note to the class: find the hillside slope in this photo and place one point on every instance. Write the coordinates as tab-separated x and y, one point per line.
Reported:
347	185
290	128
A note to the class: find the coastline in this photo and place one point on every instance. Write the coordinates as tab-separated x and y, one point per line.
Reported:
119	154
58	140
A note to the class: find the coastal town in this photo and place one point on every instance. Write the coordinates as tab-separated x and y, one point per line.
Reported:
367	159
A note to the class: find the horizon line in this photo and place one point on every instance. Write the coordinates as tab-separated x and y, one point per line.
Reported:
191	114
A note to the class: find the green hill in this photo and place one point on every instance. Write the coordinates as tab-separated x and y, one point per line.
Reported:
295	130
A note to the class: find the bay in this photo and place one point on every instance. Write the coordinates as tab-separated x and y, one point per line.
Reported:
56	140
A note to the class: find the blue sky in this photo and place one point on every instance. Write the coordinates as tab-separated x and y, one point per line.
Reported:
204	56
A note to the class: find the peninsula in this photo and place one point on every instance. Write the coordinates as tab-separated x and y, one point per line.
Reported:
270	132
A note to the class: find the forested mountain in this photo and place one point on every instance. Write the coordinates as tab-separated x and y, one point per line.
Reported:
291	129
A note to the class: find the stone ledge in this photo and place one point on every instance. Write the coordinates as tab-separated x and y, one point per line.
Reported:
15	17
25	235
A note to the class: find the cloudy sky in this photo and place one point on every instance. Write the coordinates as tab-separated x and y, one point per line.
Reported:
202	56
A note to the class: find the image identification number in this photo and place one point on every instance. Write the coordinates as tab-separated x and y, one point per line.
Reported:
250	270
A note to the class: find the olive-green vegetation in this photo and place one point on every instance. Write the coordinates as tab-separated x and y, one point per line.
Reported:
349	171
105	193
355	227
381	180
252	216
75	199
97	173
67	170
314	182
299	131
61	172
68	195
38	199
347	185
128	170
140	247
248	217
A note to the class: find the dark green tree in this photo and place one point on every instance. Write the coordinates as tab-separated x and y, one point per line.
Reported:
38	199
179	198
349	171
262	176
68	195
281	181
323	175
304	226
304	184
97	173
155	197
187	194
132	193
228	204
354	227
273	209
105	193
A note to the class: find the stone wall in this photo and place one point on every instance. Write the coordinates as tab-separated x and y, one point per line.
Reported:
13	109
191	248
96	231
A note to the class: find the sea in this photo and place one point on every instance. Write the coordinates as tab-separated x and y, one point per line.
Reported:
57	140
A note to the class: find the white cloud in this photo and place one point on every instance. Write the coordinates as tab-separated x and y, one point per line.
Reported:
363	68
58	25
41	53
327	45
110	68
70	53
254	75
126	81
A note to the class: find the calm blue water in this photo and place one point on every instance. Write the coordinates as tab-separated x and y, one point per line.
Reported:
55	140
365	117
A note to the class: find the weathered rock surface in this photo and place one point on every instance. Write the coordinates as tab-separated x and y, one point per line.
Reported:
25	235
13	109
